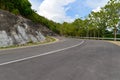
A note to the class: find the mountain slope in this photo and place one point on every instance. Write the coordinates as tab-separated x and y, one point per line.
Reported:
23	7
19	24
16	30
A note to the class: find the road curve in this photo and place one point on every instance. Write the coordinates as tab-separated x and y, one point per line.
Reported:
92	60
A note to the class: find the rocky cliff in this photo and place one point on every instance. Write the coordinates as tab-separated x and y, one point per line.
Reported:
16	30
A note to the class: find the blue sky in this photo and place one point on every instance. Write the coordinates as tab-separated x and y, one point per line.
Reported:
66	10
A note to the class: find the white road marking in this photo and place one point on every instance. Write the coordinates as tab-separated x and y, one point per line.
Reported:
51	52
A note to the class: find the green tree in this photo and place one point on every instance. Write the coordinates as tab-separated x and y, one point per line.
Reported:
112	10
99	22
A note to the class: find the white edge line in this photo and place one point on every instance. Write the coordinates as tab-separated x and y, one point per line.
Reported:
51	52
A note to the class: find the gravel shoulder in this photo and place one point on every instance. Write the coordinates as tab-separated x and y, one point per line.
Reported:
115	42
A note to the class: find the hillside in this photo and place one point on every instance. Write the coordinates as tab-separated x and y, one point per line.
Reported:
16	30
23	7
19	24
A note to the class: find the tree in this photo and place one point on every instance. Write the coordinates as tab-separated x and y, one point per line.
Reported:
80	27
112	12
98	20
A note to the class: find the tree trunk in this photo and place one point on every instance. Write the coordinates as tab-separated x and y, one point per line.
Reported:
94	34
87	34
115	33
98	34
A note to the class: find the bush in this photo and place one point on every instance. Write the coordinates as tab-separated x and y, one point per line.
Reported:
111	35
16	12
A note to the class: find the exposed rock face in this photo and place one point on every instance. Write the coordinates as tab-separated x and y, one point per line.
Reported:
16	30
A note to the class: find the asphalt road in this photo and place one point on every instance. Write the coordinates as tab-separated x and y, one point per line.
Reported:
69	59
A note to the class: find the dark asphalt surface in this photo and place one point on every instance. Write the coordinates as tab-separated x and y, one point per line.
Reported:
93	60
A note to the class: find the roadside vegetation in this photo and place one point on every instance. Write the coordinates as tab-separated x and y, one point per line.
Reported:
101	24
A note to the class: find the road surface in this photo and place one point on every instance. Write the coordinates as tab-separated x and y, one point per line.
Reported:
69	59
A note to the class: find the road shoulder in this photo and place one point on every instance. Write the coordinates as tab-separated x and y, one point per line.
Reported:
115	42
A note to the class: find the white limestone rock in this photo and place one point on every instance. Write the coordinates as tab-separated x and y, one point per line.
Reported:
5	40
16	30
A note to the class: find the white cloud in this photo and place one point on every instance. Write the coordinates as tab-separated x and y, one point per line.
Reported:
77	16
35	4
97	9
55	10
96	4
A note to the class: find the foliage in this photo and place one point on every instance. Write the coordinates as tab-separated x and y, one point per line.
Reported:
21	6
15	11
112	10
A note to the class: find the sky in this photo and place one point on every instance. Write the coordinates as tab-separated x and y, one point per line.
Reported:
66	10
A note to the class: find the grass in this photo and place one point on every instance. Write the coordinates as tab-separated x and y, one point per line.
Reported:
30	43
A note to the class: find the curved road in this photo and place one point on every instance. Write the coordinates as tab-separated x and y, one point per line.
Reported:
69	59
